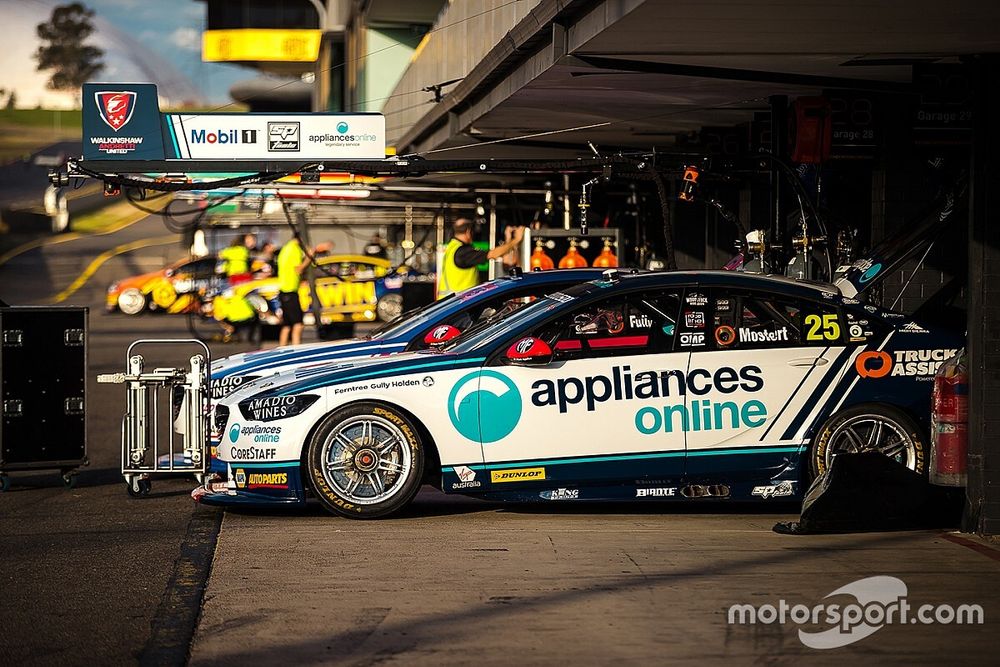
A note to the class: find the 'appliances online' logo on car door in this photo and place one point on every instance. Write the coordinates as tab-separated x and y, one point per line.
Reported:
484	406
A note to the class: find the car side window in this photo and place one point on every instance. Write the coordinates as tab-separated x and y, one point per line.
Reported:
749	320
766	321
483	312
619	325
203	268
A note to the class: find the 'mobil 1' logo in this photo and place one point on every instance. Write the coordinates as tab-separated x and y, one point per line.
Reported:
484	406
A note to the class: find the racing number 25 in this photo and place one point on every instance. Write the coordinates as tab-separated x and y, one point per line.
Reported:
826	327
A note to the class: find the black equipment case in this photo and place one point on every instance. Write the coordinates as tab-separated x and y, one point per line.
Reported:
43	386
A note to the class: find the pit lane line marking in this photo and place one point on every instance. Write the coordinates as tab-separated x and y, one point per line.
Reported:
975	546
63	238
99	261
176	619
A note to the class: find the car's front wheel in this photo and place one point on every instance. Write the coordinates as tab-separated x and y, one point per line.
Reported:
870	428
366	461
389	307
131	301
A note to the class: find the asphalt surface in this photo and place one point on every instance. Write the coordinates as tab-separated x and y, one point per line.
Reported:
91	576
83	571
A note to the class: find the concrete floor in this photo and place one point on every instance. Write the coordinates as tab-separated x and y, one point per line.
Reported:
88	576
457	582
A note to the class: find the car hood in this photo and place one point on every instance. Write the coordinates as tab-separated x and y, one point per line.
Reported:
856	280
222	366
238	369
326	373
137	281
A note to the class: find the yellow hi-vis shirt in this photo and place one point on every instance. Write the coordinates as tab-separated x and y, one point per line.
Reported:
240	310
237	259
454	279
289	259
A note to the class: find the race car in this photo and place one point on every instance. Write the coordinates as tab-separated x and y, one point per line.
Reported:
418	329
663	386
433	324
173	289
351	288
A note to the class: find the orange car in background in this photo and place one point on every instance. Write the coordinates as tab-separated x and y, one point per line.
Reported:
174	289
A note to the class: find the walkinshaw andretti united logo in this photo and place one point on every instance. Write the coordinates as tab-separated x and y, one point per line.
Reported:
116	108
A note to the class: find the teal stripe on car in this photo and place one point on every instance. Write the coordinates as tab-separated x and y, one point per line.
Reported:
258	464
632	457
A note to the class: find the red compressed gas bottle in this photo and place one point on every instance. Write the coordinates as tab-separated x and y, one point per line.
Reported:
607	258
540	259
949	423
573	259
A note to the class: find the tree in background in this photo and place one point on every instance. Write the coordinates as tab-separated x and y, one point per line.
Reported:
63	52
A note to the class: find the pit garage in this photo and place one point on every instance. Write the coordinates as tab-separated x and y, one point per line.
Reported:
768	220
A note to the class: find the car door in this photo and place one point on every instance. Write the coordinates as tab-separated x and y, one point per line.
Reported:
769	357
594	414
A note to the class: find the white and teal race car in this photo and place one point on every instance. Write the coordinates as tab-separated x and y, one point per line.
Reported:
667	386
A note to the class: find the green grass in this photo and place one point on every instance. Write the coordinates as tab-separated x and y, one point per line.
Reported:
114	214
41	118
24	131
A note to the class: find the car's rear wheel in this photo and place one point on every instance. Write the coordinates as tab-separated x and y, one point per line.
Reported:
870	428
366	461
131	301
389	307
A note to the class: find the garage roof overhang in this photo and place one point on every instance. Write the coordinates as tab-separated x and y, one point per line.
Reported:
639	73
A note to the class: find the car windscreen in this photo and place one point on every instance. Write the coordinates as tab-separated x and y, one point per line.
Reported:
511	317
413	319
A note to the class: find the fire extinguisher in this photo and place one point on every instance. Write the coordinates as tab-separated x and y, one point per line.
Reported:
950	423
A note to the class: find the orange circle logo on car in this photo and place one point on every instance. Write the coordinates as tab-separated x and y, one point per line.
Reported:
725	335
879	370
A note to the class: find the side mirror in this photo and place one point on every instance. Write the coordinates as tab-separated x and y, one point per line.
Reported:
441	334
529	352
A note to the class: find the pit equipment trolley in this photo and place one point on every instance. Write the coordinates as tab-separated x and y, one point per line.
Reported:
166	423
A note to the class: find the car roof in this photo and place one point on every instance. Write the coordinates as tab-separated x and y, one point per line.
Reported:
770	283
557	275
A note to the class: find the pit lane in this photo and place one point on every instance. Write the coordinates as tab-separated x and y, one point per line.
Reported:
91	576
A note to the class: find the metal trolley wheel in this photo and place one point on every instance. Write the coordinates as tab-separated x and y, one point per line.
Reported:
138	487
870	429
366	460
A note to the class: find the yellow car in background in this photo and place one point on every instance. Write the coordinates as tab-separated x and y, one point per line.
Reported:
173	289
350	288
